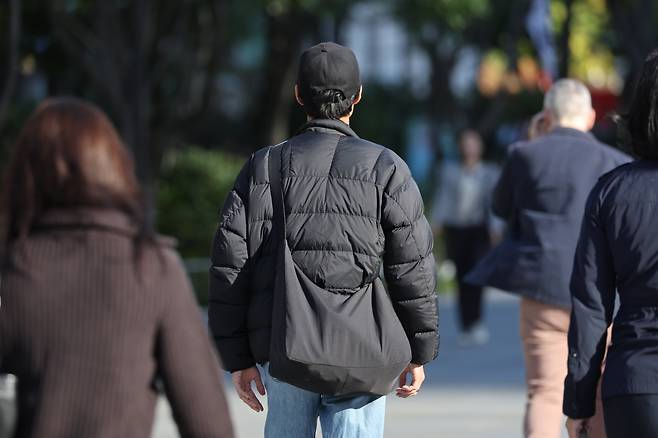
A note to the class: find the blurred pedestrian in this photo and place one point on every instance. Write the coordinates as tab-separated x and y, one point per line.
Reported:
95	307
618	253
462	214
541	194
539	125
347	203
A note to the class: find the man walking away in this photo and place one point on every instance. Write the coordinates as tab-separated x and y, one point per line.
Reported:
541	194
350	205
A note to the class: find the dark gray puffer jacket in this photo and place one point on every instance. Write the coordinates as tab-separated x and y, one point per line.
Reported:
351	205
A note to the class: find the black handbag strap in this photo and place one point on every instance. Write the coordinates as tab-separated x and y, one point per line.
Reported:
276	190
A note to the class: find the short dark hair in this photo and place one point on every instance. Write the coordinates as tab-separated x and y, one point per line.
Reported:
327	104
641	121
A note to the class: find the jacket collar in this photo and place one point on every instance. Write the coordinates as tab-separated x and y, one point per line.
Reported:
88	217
570	132
328	126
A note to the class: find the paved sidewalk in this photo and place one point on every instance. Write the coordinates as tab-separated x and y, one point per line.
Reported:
469	392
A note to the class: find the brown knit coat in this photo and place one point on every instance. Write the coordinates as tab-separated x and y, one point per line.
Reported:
87	326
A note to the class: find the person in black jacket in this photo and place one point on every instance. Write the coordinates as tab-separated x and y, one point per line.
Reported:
351	206
541	194
618	253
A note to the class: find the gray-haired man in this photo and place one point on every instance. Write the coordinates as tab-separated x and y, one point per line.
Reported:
541	194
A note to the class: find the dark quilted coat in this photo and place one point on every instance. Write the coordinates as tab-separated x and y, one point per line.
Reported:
351	206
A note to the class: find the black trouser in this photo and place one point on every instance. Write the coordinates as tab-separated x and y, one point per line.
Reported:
631	416
465	246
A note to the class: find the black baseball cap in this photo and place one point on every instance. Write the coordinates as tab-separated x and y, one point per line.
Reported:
329	66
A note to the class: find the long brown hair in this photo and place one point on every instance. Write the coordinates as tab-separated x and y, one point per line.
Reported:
68	154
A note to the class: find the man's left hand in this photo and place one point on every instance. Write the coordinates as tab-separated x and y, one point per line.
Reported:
417	374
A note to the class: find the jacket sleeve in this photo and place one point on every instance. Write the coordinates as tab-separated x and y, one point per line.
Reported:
187	362
409	262
504	194
593	301
495	224
229	288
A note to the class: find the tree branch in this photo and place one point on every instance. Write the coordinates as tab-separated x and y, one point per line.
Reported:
217	8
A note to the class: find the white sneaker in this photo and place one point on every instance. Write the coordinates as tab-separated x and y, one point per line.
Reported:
474	337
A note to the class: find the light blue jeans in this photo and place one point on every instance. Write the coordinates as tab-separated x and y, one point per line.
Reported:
293	413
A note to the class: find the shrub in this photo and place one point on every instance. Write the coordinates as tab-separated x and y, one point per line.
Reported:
193	185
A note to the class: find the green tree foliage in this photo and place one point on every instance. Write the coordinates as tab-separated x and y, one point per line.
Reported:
193	186
153	65
635	35
444	15
194	183
589	36
288	25
441	28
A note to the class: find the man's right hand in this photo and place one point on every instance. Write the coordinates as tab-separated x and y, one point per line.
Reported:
242	381
417	374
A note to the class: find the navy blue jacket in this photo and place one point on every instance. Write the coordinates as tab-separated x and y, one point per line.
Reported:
617	250
541	194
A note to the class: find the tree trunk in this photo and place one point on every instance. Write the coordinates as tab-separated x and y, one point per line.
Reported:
633	20
273	105
565	50
490	117
441	105
140	90
13	40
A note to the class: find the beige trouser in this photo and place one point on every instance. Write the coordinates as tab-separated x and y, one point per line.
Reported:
544	331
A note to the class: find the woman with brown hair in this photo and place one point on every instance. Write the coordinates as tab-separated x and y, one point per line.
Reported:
95	307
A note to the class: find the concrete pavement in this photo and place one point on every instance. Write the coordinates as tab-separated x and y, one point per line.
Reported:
469	392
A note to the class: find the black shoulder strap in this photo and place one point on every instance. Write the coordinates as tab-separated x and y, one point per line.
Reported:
276	190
